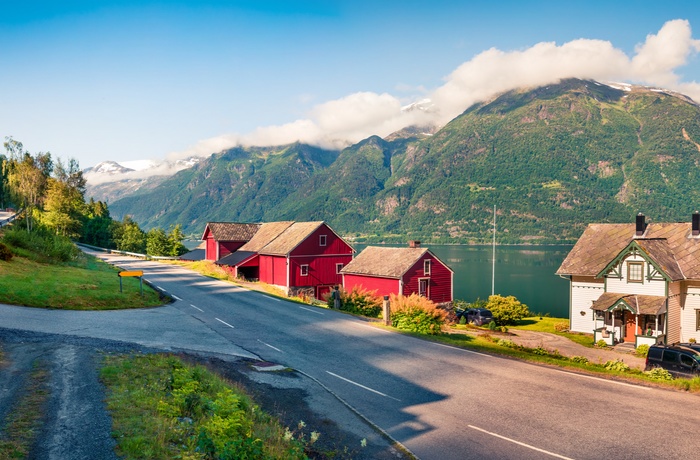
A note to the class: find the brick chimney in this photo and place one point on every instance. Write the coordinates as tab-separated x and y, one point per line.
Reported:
641	225
696	223
414	244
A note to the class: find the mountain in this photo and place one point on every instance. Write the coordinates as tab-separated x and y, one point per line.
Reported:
551	159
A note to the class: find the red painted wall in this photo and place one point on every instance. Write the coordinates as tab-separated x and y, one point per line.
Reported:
322	270
439	285
383	286
227	247
334	244
273	270
210	251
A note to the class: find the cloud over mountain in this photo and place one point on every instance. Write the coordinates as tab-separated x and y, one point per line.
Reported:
340	122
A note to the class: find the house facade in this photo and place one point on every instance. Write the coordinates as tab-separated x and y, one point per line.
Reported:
223	238
302	258
403	271
637	283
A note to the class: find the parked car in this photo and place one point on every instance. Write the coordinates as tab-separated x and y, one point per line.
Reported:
679	360
478	316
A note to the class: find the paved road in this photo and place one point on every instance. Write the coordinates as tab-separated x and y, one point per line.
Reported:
440	402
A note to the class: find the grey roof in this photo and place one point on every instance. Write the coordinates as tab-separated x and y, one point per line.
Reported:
385	262
670	245
232	231
235	258
194	255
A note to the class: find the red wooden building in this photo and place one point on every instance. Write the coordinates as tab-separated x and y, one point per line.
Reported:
223	238
404	271
299	257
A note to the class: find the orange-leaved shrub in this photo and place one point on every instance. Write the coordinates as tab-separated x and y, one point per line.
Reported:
359	301
416	314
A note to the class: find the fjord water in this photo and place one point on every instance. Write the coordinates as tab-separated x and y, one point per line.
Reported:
526	272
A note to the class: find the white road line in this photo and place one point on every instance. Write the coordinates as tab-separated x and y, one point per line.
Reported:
312	311
159	288
462	349
362	386
176	298
196	308
369	326
268	345
604	380
273	298
519	443
221	321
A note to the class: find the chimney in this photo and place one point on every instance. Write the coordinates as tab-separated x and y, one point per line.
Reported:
696	223
641	225
414	244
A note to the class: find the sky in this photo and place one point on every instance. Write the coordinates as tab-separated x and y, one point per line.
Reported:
135	80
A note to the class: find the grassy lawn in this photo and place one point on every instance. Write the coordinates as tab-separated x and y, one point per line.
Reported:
163	408
548	324
87	284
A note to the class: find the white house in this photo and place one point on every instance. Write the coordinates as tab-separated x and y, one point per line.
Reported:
636	283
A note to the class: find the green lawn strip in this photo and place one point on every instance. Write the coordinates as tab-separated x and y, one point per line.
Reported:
88	284
554	326
24	420
501	345
163	408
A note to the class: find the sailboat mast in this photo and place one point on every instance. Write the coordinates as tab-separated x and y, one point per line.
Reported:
493	263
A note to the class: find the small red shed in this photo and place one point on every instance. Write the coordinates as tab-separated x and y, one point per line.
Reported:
403	271
223	238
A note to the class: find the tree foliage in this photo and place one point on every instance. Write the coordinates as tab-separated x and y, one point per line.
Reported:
506	310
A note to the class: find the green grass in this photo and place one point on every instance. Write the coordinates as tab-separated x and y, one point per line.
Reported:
86	284
549	324
163	408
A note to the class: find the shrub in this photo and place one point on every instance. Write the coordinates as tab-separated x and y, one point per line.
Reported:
659	373
601	344
692	340
506	310
540	351
416	314
492	326
42	245
642	350
617	365
359	301
5	253
503	329
580	359
506	343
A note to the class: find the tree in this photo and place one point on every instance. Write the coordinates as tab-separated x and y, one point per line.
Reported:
175	238
506	310
129	237
157	243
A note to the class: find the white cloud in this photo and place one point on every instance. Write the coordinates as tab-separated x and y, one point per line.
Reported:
337	123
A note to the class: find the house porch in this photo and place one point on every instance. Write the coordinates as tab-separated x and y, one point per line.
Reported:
634	319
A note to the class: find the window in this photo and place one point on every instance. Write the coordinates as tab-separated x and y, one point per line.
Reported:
304	270
635	271
697	320
426	267
322	240
338	267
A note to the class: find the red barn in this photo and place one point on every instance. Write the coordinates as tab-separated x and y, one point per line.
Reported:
403	271
223	238
300	257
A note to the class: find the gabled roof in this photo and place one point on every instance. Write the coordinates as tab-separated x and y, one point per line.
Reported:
384	262
656	252
231	231
638	304
290	238
267	233
669	245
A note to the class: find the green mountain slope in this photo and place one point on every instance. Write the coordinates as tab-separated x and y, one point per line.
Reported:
552	160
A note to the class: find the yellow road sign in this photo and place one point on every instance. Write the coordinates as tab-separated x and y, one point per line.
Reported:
138	273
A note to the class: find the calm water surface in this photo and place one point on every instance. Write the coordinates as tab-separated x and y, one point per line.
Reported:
527	272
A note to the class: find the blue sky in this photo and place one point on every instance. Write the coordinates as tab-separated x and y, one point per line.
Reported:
108	80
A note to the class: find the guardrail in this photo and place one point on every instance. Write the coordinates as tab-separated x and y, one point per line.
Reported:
10	219
127	253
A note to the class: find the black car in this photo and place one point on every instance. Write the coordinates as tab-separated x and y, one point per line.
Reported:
478	316
680	360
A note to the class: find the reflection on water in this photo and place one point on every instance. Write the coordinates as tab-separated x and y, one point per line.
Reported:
526	272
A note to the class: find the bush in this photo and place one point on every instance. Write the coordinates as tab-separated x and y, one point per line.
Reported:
5	253
359	301
506	310
42	245
416	314
601	344
642	351
617	365
492	326
659	373
580	359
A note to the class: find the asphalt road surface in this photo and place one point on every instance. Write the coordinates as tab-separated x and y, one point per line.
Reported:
438	401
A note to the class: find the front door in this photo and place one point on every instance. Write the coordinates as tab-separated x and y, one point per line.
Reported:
630	327
423	287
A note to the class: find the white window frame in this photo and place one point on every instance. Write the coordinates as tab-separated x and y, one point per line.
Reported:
427	266
304	270
323	240
427	286
338	267
641	272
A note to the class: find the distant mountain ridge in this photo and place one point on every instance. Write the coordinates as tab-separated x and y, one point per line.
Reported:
552	159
